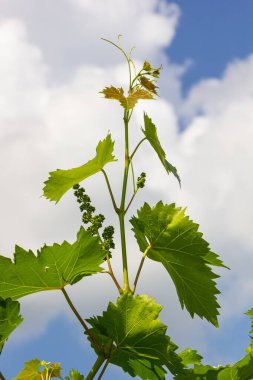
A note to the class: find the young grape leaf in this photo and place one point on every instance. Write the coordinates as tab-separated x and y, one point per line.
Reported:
114	93
150	133
74	375
60	181
190	356
148	84
172	239
39	370
10	319
135	95
53	268
30	371
130	101
136	338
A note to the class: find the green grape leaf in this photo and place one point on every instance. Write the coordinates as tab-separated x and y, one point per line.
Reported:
148	84
172	239
190	356
136	338
200	372
74	375
60	181
10	319
147	370
150	133
53	268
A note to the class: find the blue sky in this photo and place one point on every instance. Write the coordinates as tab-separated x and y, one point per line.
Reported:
61	55
212	33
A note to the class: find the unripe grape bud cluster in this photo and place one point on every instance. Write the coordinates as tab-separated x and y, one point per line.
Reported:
96	221
141	181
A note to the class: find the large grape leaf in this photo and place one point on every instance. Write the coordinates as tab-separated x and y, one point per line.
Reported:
60	181
53	268
172	239
10	319
136	337
150	133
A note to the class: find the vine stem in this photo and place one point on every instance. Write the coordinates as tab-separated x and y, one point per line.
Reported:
98	363
2	376
110	191
140	268
104	368
80	319
122	205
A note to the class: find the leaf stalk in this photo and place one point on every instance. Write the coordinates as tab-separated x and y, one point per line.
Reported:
80	319
97	365
140	268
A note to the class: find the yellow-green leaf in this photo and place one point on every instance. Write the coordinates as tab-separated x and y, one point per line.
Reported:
60	181
135	95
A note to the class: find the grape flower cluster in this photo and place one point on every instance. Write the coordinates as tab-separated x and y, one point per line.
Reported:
95	221
141	181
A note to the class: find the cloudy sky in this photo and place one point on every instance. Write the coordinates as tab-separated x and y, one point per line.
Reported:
53	64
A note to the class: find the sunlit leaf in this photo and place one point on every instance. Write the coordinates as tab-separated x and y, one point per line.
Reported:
190	356
174	240
53	268
137	337
60	181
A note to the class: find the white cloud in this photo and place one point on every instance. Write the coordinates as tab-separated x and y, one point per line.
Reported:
44	126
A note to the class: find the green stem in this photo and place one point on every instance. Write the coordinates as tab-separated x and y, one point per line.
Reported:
122	205
111	273
2	376
98	363
110	191
125	55
140	268
104	368
133	177
80	319
131	200
137	146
